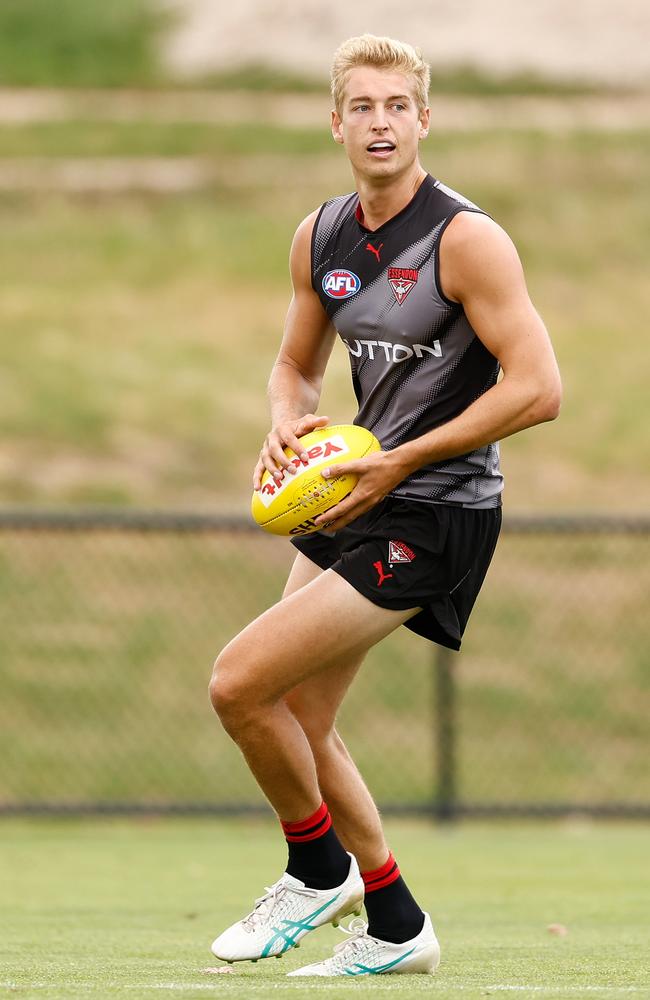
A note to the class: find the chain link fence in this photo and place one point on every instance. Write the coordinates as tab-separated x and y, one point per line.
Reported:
110	624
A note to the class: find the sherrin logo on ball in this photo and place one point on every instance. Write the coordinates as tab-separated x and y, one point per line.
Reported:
291	506
341	284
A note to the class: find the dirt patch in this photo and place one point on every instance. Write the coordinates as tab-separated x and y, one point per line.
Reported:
588	39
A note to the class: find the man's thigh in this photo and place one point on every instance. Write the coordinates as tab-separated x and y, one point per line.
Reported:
316	700
302	572
322	624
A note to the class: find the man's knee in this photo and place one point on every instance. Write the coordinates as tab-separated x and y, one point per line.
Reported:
230	693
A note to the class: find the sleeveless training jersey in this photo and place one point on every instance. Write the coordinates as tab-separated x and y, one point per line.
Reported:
416	361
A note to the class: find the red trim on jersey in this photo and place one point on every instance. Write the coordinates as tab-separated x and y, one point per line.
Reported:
308	829
378	878
358	214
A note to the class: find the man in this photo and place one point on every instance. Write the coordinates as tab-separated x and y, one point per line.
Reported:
429	297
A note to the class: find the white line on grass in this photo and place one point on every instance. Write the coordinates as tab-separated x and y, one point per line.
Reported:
394	984
397	983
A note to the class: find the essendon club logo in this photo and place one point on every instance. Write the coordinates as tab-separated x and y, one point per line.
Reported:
401	280
399	552
341	284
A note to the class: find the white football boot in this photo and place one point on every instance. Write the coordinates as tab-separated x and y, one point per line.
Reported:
287	912
362	955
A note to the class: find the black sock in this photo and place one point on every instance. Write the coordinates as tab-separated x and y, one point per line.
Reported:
393	914
316	855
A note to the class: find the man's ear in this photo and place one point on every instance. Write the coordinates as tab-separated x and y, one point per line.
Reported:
425	117
337	127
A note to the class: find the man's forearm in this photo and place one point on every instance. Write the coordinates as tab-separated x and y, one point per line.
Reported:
506	408
291	395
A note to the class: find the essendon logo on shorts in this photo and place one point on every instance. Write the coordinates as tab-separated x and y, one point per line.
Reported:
402	280
334	445
399	552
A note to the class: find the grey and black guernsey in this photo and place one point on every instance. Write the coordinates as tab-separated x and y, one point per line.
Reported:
416	361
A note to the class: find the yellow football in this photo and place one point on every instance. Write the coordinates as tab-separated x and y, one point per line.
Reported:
290	506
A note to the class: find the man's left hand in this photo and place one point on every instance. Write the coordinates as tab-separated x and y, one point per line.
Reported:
378	474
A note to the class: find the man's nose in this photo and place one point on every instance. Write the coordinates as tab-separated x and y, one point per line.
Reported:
379	123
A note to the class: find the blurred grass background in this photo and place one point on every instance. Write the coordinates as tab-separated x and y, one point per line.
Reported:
139	326
79	44
87	43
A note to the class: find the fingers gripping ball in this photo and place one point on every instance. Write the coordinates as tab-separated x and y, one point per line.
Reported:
290	506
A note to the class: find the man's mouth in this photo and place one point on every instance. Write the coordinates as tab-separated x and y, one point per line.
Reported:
381	148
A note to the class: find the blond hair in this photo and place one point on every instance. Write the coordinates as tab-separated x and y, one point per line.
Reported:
382	53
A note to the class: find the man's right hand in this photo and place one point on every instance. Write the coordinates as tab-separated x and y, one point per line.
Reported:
286	434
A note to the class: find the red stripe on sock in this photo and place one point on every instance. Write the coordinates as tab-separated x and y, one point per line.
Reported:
302	838
296	830
380	877
384	882
380	872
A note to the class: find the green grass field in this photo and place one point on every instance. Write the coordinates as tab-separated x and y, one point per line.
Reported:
114	908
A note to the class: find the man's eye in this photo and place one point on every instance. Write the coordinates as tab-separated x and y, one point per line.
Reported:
399	107
361	107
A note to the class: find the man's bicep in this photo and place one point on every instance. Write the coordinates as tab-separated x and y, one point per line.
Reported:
485	275
509	326
308	335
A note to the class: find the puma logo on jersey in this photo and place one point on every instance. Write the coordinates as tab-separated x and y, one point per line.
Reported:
392	353
375	250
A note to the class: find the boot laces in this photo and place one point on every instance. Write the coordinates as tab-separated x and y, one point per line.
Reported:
265	905
357	932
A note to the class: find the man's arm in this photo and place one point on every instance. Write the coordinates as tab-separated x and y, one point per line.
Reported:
296	377
480	268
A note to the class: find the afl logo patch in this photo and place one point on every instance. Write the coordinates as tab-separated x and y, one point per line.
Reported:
341	284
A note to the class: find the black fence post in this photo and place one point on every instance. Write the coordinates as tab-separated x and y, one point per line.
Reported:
445	800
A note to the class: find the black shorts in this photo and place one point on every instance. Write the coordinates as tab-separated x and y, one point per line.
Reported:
409	554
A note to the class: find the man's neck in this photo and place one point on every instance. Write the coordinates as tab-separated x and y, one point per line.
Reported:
382	201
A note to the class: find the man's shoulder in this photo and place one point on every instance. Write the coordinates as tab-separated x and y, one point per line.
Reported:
475	252
336	204
453	197
340	206
340	199
474	230
315	229
333	218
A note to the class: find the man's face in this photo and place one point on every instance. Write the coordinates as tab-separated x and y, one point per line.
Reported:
379	123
